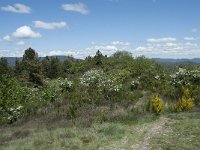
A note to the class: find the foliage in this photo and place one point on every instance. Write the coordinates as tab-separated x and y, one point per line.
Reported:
186	102
11	99
156	105
100	86
4	67
98	58
185	77
135	84
32	66
64	86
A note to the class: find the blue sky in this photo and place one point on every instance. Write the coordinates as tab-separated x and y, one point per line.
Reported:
154	28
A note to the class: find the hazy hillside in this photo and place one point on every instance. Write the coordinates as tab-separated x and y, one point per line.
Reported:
180	61
11	60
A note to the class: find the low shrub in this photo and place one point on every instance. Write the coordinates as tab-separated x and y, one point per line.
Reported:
185	103
156	105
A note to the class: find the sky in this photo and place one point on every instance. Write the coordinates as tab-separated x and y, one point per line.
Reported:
153	28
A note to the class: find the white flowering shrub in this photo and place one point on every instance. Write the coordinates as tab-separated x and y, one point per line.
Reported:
11	99
14	113
184	77
91	77
55	87
110	84
157	77
17	101
66	84
98	84
135	84
101	80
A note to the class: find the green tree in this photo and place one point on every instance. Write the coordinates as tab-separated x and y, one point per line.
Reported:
4	67
55	68
32	66
98	58
46	66
67	65
18	67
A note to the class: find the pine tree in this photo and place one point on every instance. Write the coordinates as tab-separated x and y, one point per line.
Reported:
98	58
4	67
67	64
46	66
55	68
18	67
32	66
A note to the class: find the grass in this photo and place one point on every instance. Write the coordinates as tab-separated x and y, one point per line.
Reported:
58	136
184	133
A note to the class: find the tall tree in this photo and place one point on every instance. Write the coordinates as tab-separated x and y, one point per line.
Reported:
46	66
18	67
55	68
32	66
67	64
98	58
4	67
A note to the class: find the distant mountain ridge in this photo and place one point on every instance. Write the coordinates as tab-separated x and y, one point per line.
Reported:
179	61
11	60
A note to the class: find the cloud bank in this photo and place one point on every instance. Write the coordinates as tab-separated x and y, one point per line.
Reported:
17	8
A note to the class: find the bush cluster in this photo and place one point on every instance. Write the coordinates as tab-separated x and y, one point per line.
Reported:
186	102
66	87
156	105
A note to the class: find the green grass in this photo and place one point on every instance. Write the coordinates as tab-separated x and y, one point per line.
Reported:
58	136
185	133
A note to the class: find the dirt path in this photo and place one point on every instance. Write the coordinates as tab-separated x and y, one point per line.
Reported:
151	131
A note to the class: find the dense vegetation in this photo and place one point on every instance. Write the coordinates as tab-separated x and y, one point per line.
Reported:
73	88
110	96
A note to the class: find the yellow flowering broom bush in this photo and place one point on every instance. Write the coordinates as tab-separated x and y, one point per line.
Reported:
156	104
185	103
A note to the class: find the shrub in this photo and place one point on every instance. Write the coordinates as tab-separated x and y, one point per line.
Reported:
185	77
185	103
11	99
100	86
135	84
156	105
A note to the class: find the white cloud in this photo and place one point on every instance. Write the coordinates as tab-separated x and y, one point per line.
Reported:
25	32
3	52
161	40
170	44
102	48
7	38
141	48
120	43
77	7
168	50
17	8
50	25
20	43
105	49
11	53
189	38
56	53
195	30
74	53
